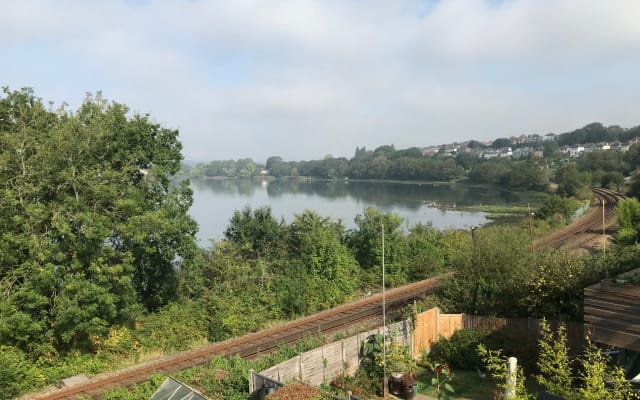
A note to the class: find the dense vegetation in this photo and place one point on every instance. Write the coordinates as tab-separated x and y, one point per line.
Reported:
99	266
605	168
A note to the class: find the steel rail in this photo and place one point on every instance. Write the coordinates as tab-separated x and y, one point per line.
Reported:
251	345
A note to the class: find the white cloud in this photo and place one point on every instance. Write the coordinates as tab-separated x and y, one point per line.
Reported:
305	78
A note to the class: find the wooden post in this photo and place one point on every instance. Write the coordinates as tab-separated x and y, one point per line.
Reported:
385	387
510	390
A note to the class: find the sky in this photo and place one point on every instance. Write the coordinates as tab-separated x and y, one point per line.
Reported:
306	79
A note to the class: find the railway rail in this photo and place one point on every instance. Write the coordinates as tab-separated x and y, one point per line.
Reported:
249	346
592	230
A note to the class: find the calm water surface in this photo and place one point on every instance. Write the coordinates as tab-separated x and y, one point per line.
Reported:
216	200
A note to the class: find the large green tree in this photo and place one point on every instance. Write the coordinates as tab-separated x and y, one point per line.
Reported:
91	226
366	243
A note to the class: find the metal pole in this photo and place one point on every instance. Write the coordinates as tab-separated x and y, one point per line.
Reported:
530	226
604	236
384	319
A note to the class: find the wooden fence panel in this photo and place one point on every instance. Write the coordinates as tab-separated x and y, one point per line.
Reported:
448	324
425	331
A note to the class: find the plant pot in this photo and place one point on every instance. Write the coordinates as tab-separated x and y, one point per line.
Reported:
408	392
395	384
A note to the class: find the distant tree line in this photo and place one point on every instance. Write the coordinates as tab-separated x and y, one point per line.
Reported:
596	168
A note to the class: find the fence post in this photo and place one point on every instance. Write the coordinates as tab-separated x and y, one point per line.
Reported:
300	365
512	367
344	357
252	384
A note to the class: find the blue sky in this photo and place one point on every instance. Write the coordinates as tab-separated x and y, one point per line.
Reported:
304	79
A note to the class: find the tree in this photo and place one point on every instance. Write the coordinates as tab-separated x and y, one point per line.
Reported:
273	161
91	226
366	243
317	243
257	231
569	181
550	148
500	143
426	252
628	212
489	265
556	205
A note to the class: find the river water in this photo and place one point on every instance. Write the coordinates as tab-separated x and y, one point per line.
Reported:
216	200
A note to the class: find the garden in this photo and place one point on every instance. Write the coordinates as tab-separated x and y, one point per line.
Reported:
472	364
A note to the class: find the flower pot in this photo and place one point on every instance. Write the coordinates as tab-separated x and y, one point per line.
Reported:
408	392
395	384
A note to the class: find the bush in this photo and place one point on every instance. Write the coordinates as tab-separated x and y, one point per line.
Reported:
460	349
17	375
556	205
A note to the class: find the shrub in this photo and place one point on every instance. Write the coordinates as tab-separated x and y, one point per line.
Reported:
17	375
460	349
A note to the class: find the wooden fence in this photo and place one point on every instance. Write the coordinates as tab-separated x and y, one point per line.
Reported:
431	325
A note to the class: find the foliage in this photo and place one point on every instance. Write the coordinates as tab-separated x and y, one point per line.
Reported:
597	379
238	292
176	327
371	349
142	391
556	205
460	349
570	181
257	231
317	244
17	373
525	175
366	243
553	361
425	252
485	270
91	226
628	212
441	379
378	356
496	365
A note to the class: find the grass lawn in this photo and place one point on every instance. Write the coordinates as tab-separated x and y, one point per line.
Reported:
467	385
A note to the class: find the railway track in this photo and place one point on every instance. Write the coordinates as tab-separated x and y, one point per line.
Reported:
249	346
587	233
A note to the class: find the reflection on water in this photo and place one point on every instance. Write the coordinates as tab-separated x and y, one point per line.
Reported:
216	200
